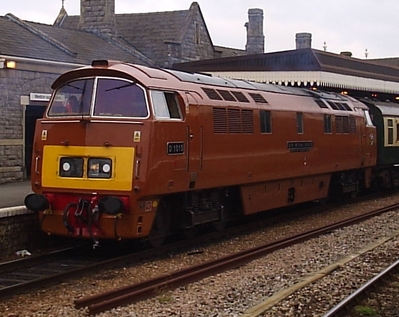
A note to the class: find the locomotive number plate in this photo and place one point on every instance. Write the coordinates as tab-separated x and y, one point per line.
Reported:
300	146
175	148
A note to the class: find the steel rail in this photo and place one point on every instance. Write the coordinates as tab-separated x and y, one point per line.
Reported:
341	307
143	290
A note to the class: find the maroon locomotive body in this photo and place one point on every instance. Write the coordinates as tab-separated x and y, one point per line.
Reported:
148	151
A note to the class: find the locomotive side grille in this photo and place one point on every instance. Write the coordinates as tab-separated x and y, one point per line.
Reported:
212	93
345	121
258	98
234	120
226	95
247	121
240	96
219	120
352	125
339	126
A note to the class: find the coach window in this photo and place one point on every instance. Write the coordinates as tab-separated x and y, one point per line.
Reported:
389	131
265	122
166	105
299	122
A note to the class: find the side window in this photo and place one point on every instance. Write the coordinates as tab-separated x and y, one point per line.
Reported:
265	122
327	123
299	122
165	105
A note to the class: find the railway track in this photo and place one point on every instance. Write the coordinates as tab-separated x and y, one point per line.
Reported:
24	274
34	272
383	283
133	293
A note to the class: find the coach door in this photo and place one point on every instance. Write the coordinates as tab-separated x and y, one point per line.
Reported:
194	139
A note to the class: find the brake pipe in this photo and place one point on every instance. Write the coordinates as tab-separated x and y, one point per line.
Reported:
65	217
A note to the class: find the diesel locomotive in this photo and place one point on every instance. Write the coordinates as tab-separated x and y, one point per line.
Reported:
126	151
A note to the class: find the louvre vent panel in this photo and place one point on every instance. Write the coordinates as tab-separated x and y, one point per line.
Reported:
352	125
219	120
234	120
321	104
226	95
339	124
258	98
212	94
247	121
240	96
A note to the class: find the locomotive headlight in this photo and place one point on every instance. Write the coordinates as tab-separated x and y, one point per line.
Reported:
71	167
66	166
99	168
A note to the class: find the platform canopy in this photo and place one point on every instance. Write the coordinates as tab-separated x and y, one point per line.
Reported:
304	67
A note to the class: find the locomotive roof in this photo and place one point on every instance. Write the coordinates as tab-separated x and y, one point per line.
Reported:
168	79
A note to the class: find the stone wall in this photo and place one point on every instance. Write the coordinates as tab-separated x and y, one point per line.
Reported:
20	232
15	84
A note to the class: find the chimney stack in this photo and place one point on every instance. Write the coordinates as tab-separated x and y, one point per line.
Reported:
98	16
303	40
255	38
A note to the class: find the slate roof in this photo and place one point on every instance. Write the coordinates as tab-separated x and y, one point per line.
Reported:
229	51
297	60
145	31
46	42
148	32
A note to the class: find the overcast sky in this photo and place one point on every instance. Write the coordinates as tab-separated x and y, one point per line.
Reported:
345	25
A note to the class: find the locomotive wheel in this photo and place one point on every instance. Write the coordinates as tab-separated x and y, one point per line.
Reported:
160	226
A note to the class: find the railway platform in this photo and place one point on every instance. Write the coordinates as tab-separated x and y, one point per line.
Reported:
12	197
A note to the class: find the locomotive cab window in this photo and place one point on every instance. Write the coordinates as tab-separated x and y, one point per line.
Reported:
72	99
119	98
166	105
113	98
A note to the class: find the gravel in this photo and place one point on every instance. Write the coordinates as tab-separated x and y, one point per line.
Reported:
234	292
